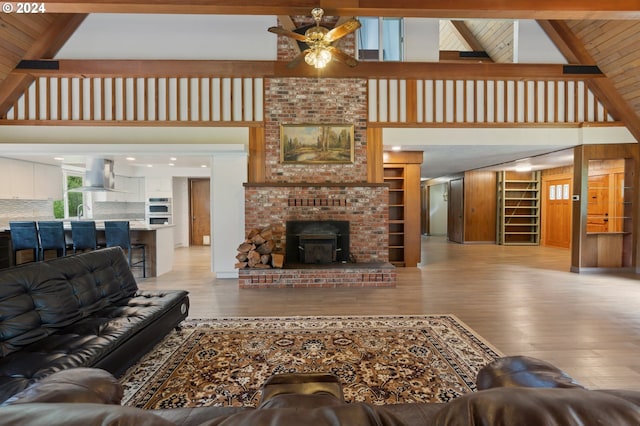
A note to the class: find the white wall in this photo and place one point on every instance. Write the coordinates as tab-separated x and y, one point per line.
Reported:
228	173
438	209
421	40
170	36
181	211
532	45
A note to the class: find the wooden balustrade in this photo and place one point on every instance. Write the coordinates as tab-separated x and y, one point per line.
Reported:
141	100
227	101
474	102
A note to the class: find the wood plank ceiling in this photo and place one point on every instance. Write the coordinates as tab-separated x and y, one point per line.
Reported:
596	32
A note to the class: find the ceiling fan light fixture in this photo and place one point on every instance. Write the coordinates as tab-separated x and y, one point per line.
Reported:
318	57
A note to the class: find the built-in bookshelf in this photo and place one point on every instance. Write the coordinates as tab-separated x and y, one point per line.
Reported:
402	175
518	208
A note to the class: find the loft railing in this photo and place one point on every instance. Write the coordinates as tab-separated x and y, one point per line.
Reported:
481	102
138	100
240	101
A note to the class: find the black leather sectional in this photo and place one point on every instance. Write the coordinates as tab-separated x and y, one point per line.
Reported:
78	311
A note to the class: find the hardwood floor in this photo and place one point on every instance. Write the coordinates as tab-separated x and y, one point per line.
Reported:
521	299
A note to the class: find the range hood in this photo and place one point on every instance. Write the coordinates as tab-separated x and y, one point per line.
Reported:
99	176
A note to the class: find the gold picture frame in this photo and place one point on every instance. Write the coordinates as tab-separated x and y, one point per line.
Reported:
316	143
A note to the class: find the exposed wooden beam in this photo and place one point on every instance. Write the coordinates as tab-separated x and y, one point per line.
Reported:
575	52
537	9
46	46
466	36
401	70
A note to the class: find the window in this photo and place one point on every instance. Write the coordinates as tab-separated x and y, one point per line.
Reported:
380	39
69	205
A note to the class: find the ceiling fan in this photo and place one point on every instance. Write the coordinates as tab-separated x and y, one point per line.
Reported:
319	40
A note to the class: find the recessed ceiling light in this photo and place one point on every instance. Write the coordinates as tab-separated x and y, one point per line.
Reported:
203	166
396	148
58	158
173	158
171	164
131	158
149	165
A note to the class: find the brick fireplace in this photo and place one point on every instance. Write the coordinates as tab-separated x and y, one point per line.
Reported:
320	192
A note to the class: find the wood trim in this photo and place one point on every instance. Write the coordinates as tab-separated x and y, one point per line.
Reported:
130	123
375	162
541	9
257	155
247	69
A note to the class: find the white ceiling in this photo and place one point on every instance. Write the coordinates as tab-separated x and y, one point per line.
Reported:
438	160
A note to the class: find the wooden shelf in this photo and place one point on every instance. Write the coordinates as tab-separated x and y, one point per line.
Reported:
518	208
403	180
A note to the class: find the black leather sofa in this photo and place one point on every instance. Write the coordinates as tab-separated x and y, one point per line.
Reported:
76	311
513	391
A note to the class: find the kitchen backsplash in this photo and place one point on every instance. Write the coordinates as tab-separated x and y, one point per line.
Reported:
118	210
43	210
25	210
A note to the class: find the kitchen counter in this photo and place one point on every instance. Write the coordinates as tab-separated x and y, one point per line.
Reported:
158	238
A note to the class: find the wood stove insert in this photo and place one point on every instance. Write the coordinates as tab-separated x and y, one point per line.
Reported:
322	242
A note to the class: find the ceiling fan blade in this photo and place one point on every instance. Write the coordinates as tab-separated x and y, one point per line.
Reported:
299	58
342	30
339	55
294	35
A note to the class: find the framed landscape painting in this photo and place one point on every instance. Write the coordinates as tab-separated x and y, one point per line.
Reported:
316	143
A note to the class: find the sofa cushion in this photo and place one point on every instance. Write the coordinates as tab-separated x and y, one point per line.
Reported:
31	297
97	278
538	406
77	414
73	385
38	298
523	371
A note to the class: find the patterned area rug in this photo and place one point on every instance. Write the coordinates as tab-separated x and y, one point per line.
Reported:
380	360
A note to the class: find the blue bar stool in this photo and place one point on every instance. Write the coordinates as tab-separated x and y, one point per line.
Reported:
52	238
84	235
116	233
24	236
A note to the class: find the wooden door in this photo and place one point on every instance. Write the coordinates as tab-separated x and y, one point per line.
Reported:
598	204
556	216
200	211
455	217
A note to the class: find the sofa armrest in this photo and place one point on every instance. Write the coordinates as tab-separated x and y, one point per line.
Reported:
74	385
523	371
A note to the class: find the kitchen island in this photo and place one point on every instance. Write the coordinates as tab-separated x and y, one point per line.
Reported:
158	238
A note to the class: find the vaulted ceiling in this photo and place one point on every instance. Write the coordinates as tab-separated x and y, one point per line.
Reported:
586	31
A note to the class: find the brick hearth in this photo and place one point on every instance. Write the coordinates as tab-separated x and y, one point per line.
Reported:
351	275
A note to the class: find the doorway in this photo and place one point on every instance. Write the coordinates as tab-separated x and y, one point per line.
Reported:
200	212
455	219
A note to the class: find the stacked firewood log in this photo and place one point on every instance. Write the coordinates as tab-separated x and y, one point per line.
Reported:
259	250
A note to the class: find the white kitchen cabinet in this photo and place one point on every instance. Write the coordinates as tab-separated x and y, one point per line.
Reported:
127	189
158	187
120	186
136	193
5	178
47	182
17	179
